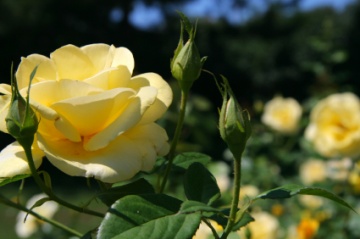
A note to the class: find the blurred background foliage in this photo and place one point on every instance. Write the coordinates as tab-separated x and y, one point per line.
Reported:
280	50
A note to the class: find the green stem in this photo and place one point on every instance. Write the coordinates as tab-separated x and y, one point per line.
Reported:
57	224
49	192
179	125
216	236
235	199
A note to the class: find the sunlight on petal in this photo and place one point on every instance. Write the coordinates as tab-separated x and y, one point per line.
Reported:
128	118
49	92
45	71
91	114
5	89
110	78
147	95
72	63
164	96
117	162
5	105
122	56
13	160
99	54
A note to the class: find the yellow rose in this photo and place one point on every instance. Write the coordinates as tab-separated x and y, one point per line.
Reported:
248	192
282	114
204	231
313	171
95	119
265	226
334	127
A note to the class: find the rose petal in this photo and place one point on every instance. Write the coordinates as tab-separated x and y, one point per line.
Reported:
121	160
5	89
164	96
128	118
152	141
100	55
72	63
91	114
5	101
45	70
124	57
111	78
13	160
49	92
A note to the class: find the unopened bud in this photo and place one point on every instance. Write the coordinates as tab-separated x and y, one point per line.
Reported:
234	123
186	65
21	120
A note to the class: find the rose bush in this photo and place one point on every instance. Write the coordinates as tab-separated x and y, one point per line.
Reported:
96	120
282	114
334	127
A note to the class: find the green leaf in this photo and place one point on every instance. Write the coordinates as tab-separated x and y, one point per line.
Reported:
90	234
194	206
293	189
134	210
6	180
140	186
177	226
221	218
200	185
184	160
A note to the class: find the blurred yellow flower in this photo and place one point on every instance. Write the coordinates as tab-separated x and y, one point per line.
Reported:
307	228
265	226
96	120
354	178
32	224
248	191
282	114
221	171
310	201
277	209
334	127
312	171
338	169
204	231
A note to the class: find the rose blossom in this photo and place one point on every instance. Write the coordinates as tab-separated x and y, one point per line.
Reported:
282	114
96	120
334	127
265	226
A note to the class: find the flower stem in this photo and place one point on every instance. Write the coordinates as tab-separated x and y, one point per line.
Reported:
57	224
235	199
216	236
48	190
179	125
